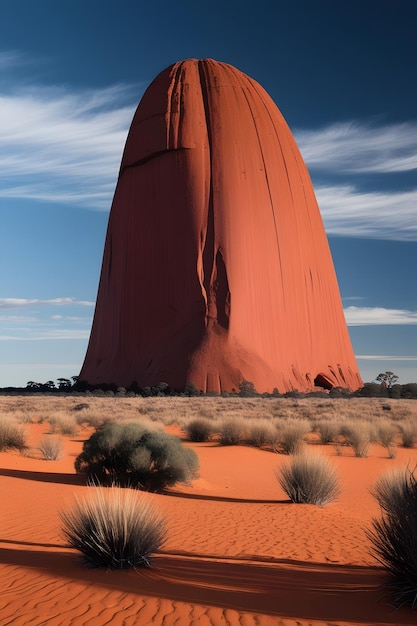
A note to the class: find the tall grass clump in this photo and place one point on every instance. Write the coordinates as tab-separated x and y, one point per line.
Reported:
130	454
52	447
408	430
394	536
358	435
199	429
114	528
328	430
386	436
231	431
309	479
64	424
262	432
291	435
12	434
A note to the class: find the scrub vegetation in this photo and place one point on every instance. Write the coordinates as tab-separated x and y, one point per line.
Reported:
114	528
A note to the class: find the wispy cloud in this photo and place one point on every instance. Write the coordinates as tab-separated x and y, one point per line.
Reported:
9	59
376	215
357	148
62	146
378	316
379	357
14	303
45	334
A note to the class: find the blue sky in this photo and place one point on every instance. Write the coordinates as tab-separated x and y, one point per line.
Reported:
71	74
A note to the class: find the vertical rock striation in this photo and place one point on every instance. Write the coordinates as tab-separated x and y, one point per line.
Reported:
216	265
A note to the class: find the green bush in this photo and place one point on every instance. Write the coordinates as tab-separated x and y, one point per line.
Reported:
309	479
131	455
114	528
394	536
199	429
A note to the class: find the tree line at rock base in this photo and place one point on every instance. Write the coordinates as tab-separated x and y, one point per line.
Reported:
387	387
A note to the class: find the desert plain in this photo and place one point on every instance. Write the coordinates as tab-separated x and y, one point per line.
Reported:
237	551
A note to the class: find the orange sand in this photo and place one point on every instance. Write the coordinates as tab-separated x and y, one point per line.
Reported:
237	552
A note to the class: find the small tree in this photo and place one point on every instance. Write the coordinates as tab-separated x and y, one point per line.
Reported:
387	379
64	384
247	389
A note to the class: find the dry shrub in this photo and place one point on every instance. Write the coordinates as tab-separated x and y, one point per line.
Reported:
386	436
130	454
408	430
358	435
64	423
291	435
309	479
262	432
12	434
394	536
199	429
85	417
52	447
231	431
386	433
114	528
328	430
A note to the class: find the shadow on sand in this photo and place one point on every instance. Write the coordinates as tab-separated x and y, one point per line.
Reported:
287	588
44	477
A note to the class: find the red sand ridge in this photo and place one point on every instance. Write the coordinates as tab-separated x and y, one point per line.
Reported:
216	265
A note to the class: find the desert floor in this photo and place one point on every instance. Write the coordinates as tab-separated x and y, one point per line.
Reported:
237	550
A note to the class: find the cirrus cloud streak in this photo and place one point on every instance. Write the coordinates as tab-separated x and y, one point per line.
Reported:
378	316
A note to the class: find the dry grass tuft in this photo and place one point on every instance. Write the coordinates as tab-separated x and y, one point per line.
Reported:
64	424
199	429
408	430
394	536
262	432
52	447
291	435
114	528
232	431
12	434
309	479
358	434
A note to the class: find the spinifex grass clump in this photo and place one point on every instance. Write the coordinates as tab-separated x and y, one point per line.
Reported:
12	434
262	432
394	536
309	479
358	435
132	455
328	430
199	429
408	430
232	431
114	528
292	433
52	447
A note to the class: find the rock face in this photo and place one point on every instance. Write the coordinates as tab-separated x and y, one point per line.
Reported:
216	265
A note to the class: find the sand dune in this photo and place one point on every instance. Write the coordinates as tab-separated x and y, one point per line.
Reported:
237	551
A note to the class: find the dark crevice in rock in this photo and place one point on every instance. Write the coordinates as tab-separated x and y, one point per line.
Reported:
148	158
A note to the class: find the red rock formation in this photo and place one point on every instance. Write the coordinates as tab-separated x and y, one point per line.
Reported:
216	265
